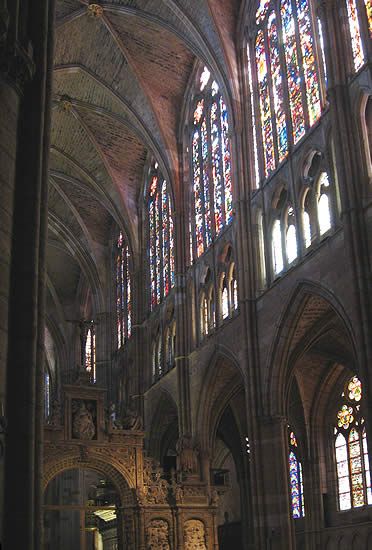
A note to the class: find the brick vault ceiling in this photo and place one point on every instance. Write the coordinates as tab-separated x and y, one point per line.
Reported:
120	79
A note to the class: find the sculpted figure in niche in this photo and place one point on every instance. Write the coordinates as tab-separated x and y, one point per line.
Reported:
83	426
187	455
158	535
194	535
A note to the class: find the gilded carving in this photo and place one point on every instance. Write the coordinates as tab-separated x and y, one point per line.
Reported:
194	535
157	535
95	10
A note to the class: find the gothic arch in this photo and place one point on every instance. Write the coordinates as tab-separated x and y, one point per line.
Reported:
307	305
164	423
222	382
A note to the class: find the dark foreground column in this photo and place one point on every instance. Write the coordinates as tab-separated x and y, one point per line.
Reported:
31	33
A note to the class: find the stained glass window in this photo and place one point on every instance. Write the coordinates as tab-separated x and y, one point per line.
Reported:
47	393
286	68
123	292
225	302
368	4
204	316
291	239
295	479
277	247
90	353
253	119
161	238
356	39
211	166
324	212
351	452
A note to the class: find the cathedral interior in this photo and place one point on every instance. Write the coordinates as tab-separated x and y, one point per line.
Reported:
185	283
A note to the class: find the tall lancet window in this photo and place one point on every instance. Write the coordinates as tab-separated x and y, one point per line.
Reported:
284	78
351	450
161	237
295	479
211	202
357	13
90	353
123	292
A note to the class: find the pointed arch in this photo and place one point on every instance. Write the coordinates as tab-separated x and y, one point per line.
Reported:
308	300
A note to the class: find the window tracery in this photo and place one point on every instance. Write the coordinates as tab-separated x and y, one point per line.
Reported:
123	292
161	237
288	77
351	452
211	203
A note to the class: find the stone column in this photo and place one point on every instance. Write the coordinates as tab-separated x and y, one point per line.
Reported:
27	69
275	483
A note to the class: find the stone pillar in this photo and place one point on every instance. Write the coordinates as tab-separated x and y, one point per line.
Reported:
275	484
27	62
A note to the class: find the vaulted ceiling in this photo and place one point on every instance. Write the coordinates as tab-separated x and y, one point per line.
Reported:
122	69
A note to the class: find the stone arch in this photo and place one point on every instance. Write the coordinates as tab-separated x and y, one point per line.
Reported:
123	480
164	426
222	381
308	306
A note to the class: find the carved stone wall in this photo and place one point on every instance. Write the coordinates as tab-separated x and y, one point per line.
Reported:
157	535
194	535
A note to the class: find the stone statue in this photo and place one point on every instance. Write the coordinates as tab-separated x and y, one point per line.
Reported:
83	426
56	415
187	455
157	535
194	535
131	420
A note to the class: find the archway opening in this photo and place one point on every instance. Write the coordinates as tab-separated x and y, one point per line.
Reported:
81	512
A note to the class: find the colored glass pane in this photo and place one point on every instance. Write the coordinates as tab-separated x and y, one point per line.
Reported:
277	84
291	243
356	469
356	40
235	293
198	198
307	228
368	4
292	439
90	353
265	109
216	169
152	246
225	303
293	70
204	78
366	467
165	239
198	113
321	41
129	296
46	394
253	119
342	473
161	240
123	292
296	479
345	417
226	161
157	249
354	388
277	247
308	60
206	193
262	10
